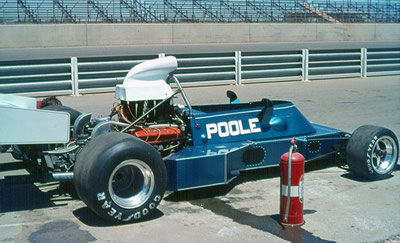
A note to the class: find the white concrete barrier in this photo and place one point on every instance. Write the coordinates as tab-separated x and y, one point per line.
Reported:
72	35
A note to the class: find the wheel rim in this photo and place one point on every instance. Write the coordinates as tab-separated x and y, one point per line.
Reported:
131	184
384	155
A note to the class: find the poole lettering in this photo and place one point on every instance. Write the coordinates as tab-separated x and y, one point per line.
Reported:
232	128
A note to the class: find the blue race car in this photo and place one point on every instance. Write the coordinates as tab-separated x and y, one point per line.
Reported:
122	164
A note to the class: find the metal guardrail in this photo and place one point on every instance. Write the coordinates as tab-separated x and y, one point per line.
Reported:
335	63
85	75
271	65
49	76
383	61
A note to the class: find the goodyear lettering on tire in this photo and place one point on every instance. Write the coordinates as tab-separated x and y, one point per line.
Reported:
107	205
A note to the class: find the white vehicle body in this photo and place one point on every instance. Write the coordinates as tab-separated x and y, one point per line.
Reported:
22	123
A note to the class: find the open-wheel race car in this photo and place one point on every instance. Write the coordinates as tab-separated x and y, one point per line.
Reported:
122	164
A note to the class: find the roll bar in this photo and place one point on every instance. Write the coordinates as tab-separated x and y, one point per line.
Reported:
180	88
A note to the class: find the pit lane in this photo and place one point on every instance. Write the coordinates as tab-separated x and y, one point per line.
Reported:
338	207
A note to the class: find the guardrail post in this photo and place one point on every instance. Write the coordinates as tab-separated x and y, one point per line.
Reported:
238	67
74	76
305	65
363	62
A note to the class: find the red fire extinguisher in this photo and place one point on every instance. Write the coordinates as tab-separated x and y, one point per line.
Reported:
292	187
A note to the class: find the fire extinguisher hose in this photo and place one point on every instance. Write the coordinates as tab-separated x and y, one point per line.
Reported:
292	147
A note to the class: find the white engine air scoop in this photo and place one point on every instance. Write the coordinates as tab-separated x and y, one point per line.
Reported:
146	81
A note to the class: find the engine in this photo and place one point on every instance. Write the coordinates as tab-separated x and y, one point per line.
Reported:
161	127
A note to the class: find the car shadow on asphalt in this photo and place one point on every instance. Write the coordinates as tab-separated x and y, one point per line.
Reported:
11	166
20	192
21	197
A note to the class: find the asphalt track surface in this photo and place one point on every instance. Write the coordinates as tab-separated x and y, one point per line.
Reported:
14	54
338	206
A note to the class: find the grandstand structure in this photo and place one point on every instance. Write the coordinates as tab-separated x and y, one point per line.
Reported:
196	11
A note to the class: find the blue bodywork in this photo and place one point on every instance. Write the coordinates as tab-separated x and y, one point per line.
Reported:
214	144
227	139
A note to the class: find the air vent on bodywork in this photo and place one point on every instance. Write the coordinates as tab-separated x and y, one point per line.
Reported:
254	155
314	146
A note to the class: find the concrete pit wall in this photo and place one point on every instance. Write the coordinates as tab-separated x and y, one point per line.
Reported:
73	35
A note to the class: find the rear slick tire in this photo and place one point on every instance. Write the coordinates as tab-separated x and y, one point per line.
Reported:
372	152
120	177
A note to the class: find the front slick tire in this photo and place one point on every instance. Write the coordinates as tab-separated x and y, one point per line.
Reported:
372	152
120	177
